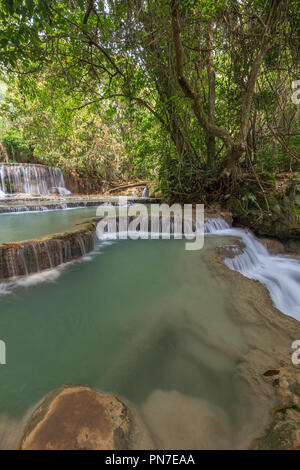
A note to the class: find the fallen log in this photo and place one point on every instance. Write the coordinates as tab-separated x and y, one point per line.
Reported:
131	185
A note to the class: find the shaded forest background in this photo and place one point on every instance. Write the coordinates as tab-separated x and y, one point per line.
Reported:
194	95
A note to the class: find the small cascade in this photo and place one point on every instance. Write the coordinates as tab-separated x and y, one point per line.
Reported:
145	192
24	178
81	243
212	225
280	274
35	256
30	208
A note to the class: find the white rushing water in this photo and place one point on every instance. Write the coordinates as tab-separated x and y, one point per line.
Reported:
31	179
145	192
280	274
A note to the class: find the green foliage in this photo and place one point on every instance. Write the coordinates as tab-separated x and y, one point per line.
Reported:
97	92
16	144
249	197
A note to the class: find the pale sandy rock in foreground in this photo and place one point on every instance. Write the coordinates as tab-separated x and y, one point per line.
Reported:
77	417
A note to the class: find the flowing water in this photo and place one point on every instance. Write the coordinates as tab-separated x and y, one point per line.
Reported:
280	274
146	320
19	178
143	319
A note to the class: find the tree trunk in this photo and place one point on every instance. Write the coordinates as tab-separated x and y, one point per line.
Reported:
236	147
211	140
3	153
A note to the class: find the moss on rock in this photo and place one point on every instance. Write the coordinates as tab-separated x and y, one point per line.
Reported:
77	417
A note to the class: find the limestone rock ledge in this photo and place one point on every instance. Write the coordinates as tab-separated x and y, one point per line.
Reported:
284	431
78	418
32	256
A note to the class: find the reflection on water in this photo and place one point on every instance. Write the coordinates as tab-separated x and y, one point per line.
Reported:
16	227
145	320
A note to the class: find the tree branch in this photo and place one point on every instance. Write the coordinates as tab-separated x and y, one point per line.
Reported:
88	11
210	128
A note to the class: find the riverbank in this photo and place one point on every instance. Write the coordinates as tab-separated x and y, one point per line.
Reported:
254	339
169	419
267	367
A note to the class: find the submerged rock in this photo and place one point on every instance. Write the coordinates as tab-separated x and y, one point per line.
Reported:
271	372
77	417
231	251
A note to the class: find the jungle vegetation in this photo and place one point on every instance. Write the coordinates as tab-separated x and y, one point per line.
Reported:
195	95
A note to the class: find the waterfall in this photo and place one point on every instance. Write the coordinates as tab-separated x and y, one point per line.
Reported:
280	274
215	224
24	178
145	192
35	256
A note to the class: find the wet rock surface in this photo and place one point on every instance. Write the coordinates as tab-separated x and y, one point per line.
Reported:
32	256
232	250
284	431
267	367
43	203
77	417
83	185
273	212
274	246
